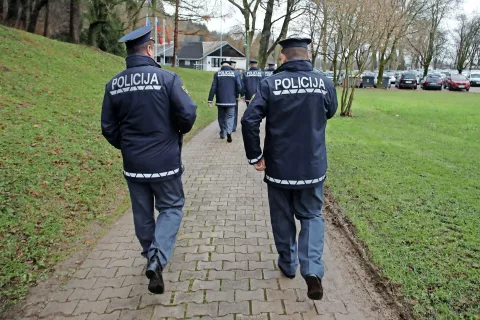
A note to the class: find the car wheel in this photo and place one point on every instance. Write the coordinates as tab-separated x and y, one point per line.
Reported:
467	89
415	88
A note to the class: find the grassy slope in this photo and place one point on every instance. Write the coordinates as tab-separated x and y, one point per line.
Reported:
57	171
406	171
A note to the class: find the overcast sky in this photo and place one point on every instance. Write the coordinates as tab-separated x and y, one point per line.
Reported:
236	19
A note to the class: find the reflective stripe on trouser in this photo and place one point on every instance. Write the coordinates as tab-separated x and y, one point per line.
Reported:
306	206
226	116
235	121
168	198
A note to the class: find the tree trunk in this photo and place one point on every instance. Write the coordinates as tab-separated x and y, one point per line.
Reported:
265	40
93	31
18	18
32	25
324	38
47	20
75	21
175	34
5	10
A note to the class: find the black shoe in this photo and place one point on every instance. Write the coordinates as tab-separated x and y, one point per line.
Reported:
154	273
286	274
222	137
315	289
229	137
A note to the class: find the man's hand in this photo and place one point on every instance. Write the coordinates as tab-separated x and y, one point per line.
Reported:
210	105
260	165
243	99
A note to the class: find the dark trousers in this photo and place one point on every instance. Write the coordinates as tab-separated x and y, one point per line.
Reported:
168	198
235	120
306	206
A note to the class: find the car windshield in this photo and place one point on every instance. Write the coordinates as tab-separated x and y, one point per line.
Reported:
409	75
433	78
475	75
458	77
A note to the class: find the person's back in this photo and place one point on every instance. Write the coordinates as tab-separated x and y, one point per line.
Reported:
145	112
251	80
144	98
296	102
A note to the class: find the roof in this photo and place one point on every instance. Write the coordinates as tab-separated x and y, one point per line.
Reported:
194	50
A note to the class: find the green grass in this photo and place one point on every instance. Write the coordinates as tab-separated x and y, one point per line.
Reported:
406	170
57	171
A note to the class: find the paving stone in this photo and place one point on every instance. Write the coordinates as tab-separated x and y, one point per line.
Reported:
243	265
181	297
247	257
80	283
259	306
101	272
326	316
246	242
131	271
95	263
59	307
196	256
81	273
149	299
121	262
201	275
184	266
98	307
216	265
214	274
292	307
204	248
238	307
206	284
335	307
263	316
207	309
267	265
161	312
112	316
171	276
130	280
288	294
264	284
235	284
242	274
296	316
83	294
177	286
242	295
79	317
117	254
115	292
143	314
120	304
61	296
228	296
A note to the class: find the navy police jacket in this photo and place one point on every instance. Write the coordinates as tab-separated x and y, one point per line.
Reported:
226	87
145	112
296	103
251	79
269	72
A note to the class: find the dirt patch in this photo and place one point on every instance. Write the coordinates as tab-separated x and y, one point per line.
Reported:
4	69
389	292
63	271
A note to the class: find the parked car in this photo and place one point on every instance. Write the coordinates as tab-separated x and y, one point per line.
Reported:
407	80
432	82
474	78
458	82
391	75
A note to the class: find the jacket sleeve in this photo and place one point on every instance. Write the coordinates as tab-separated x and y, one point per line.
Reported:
244	85
110	122
252	118
238	84
213	89
331	103
185	109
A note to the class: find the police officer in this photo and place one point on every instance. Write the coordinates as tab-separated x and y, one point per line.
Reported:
226	87
296	103
145	112
271	68
251	79
235	121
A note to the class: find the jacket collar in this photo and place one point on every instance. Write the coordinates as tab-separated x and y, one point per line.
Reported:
226	68
253	69
140	60
295	65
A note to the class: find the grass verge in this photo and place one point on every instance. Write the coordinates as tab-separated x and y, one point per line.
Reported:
405	171
58	173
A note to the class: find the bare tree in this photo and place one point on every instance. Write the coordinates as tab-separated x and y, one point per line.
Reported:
75	21
466	38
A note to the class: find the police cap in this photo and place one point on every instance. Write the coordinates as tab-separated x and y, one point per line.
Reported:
226	61
253	60
231	61
137	37
295	42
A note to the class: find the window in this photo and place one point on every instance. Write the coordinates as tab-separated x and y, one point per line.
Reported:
215	62
187	62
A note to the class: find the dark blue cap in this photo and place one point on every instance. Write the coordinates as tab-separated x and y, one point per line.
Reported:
271	63
253	60
295	42
137	37
226	61
231	61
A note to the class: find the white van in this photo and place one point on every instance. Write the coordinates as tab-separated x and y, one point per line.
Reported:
474	78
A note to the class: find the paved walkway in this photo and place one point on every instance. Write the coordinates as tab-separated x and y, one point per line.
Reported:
224	264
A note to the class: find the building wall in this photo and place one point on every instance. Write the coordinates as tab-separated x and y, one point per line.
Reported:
212	63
